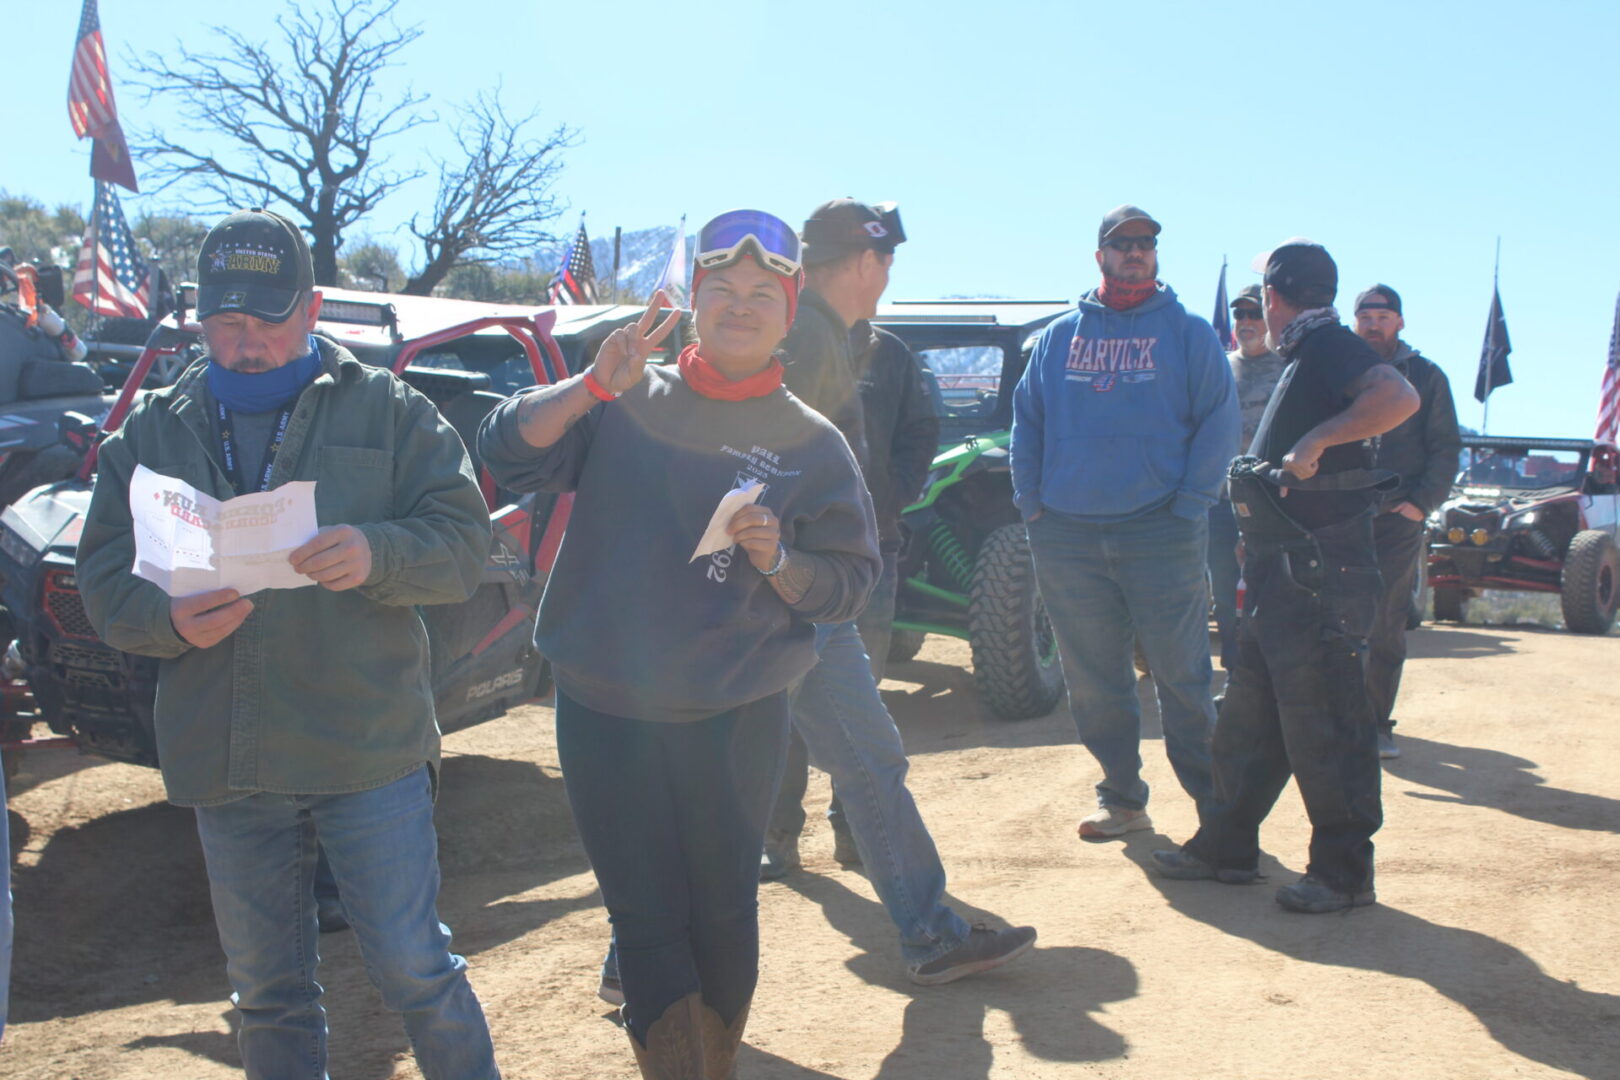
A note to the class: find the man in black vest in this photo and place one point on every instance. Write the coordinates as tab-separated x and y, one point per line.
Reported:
1423	451
1297	700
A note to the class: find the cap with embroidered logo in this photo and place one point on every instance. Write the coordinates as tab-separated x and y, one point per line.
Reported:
841	226
255	262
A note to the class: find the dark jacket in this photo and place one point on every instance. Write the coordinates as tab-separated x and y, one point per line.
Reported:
819	369
1425	447
902	431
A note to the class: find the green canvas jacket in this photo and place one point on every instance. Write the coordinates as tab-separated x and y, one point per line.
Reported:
317	692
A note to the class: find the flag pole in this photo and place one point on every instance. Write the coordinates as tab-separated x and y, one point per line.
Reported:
618	236
1490	372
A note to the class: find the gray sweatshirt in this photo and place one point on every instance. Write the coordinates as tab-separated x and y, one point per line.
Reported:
631	627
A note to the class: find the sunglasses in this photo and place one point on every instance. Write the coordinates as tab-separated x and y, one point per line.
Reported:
1132	243
749	232
1246	313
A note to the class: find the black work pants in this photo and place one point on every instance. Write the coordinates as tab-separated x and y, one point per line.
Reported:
1296	703
1400	545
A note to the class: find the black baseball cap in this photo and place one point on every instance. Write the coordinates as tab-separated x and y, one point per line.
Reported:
1298	267
256	262
1249	294
1379	296
1119	215
840	226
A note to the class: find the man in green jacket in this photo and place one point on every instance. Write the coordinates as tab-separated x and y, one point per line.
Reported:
303	715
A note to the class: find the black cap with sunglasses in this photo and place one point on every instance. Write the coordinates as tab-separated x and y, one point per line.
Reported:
1118	216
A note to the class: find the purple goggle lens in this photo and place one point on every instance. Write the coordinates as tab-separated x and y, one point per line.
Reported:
735	233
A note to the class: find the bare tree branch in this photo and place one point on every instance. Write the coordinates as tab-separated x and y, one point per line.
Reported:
299	122
495	200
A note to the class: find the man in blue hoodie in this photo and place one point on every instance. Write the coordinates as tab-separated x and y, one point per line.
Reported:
1123	425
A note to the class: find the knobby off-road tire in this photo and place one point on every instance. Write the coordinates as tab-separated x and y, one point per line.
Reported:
1450	604
905	645
1589	587
1015	663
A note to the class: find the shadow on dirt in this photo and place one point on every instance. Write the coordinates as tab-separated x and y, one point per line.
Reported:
1049	995
1498	781
132	886
1457	643
1527	1011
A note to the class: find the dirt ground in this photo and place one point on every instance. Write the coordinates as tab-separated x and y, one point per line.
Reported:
1492	953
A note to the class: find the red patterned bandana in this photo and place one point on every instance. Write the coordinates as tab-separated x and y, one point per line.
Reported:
1123	295
702	377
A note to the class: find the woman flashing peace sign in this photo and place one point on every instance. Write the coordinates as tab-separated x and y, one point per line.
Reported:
672	669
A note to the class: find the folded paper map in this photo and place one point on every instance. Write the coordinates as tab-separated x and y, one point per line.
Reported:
188	542
716	537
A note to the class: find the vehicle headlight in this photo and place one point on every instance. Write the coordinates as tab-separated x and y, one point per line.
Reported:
1456	535
16	548
1480	537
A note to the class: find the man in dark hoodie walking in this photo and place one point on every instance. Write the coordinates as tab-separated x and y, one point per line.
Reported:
1123	425
1423	451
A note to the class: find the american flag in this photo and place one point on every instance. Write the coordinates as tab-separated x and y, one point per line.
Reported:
111	277
90	93
575	282
1608	425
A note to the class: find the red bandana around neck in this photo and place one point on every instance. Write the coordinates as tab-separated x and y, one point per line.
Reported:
1122	295
702	377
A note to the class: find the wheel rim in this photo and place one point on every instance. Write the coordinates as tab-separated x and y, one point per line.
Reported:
1605	587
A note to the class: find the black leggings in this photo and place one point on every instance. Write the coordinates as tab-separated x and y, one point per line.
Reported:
673	821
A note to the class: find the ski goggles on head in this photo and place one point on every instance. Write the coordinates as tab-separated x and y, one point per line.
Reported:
736	233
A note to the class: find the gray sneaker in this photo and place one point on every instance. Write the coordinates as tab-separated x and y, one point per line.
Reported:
1313	896
1386	744
984	949
1184	867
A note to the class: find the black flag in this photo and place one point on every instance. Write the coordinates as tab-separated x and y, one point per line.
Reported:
1493	365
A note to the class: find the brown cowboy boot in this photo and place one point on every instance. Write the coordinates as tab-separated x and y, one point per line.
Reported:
674	1049
720	1043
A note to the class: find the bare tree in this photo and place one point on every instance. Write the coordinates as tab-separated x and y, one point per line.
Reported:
301	128
495	200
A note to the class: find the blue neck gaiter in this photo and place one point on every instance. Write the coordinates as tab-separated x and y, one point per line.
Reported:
262	391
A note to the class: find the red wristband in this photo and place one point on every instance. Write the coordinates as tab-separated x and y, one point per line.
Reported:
598	391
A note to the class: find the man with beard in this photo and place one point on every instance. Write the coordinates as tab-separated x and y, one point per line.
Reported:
1123	423
1255	370
1423	451
1297	700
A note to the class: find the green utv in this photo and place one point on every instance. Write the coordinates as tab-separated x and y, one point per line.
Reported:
964	565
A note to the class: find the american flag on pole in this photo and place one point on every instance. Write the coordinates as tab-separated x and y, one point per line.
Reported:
1222	322
91	107
575	282
90	93
1608	425
111	277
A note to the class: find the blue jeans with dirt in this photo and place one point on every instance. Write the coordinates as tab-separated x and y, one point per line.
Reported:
261	853
1106	586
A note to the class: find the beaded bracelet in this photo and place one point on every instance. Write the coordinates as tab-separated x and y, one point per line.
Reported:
781	557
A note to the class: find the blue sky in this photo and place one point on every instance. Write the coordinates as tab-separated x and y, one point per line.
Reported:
1406	137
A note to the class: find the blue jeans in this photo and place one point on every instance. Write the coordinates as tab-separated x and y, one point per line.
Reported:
673	820
260	853
1105	586
851	736
5	904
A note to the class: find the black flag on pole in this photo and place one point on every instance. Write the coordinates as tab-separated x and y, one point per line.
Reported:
1493	364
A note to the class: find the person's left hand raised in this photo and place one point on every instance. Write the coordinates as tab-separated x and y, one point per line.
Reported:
337	558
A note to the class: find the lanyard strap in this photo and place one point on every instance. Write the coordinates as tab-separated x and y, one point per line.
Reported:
227	446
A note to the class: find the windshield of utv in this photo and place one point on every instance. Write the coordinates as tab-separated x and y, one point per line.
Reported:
1521	469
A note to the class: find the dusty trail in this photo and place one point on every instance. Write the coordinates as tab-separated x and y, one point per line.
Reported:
1492	953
